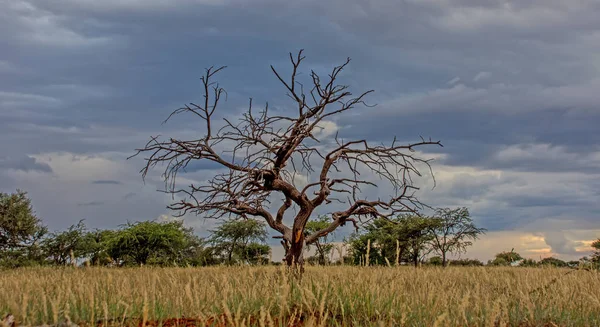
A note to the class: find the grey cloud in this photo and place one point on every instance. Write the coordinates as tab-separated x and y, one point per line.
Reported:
541	200
91	203
25	163
197	165
107	182
129	195
554	140
561	244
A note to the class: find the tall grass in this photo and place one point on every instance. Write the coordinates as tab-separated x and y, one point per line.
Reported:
329	296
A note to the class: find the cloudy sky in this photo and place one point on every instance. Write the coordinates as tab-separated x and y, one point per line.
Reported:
511	88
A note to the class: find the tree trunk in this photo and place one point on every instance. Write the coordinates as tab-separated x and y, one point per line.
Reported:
230	253
295	255
321	253
416	257
444	263
401	255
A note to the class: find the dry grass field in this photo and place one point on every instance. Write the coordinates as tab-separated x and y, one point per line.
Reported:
327	296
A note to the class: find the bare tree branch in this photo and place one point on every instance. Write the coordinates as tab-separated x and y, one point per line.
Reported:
262	154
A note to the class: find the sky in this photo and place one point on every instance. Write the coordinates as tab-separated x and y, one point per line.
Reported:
511	88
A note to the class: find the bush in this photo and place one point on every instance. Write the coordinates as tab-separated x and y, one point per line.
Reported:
466	262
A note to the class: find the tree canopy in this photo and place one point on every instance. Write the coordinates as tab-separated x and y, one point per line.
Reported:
146	241
453	232
505	258
402	238
322	247
239	240
20	230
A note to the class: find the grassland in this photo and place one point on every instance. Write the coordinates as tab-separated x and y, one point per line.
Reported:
327	296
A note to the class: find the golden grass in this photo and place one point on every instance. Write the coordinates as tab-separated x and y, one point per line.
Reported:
330	296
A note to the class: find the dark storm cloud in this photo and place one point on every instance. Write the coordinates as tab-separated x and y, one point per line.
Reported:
202	165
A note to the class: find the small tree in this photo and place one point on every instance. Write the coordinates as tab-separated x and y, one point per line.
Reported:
197	253
454	232
234	237
323	249
553	262
98	246
20	230
596	254
385	240
264	152
256	253
435	261
420	236
505	258
61	248
149	242
393	240
528	263
466	262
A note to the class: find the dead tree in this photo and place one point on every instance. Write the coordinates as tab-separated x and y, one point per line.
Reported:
262	153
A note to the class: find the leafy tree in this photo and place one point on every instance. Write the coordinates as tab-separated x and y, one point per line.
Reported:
454	232
380	240
420	236
360	245
150	242
61	248
256	253
393	240
98	246
528	263
20	231
596	254
505	258
587	262
232	238
323	248
198	252
266	150
436	261
466	262
553	262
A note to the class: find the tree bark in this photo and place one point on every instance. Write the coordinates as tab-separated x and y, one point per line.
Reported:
321	253
295	254
416	257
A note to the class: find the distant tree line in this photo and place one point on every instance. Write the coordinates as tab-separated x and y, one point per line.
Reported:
403	240
411	238
24	241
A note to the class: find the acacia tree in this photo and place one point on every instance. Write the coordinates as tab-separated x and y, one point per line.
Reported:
505	258
596	254
406	237
150	242
323	249
420	236
61	248
266	151
454	232
20	230
235	237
